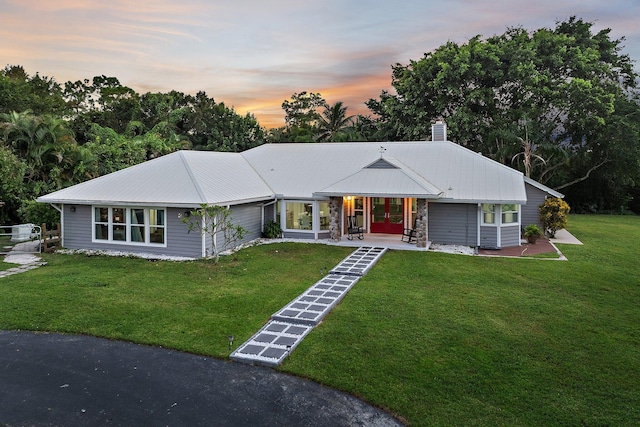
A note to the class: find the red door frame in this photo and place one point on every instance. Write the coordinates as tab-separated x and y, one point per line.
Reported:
392	222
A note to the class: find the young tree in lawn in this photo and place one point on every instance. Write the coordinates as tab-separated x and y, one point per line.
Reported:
216	222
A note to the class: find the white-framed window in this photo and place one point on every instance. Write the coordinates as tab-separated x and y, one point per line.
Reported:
135	225
489	214
298	215
509	214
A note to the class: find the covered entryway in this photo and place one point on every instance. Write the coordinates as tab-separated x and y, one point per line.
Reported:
387	215
387	184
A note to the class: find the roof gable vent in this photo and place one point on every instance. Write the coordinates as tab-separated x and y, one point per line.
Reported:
439	131
381	164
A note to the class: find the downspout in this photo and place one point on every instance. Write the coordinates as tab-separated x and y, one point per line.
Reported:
519	225
264	205
316	214
499	228
204	237
479	215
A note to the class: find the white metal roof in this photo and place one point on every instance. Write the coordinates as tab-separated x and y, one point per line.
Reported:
300	170
181	179
386	177
429	169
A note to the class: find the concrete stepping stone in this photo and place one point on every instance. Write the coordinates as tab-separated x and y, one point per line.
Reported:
317	301
271	344
360	261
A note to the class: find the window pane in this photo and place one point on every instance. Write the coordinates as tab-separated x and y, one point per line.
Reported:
118	216
156	234
509	213
102	214
395	210
156	216
378	212
324	215
488	213
358	203
137	216
299	215
137	234
509	217
120	233
102	232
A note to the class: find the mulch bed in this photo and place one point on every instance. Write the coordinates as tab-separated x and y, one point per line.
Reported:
542	246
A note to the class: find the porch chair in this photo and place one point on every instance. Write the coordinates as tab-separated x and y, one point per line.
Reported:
409	233
353	228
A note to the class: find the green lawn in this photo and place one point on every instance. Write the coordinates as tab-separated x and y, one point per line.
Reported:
437	339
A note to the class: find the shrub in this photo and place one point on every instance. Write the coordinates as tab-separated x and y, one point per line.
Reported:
272	230
532	230
554	213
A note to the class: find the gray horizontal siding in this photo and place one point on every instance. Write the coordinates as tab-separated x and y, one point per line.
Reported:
509	236
180	241
248	216
76	227
77	235
270	212
489	237
453	223
531	210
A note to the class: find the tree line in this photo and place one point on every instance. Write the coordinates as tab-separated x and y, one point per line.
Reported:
559	104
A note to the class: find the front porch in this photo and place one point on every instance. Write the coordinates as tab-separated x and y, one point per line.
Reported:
389	241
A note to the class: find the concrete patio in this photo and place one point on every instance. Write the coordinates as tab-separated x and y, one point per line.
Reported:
389	241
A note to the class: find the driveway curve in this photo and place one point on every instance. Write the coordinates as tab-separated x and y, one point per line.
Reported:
61	380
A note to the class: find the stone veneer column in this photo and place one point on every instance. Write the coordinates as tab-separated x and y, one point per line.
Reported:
335	215
421	223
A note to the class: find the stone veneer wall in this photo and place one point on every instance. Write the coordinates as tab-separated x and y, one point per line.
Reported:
421	223
335	214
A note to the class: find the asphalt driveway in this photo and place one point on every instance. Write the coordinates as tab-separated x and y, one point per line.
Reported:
64	380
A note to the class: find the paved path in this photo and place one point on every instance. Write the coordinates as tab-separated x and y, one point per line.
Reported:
69	380
290	325
23	255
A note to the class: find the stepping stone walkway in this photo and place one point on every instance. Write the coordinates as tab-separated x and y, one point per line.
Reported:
25	262
289	325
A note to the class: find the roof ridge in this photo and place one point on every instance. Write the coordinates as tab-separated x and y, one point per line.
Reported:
194	181
258	174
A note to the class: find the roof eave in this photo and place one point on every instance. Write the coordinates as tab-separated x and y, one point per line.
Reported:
544	188
44	199
374	194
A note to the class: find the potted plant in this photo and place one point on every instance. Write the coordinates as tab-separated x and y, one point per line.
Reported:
532	232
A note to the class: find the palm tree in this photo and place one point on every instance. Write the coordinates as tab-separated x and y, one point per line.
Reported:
333	121
41	142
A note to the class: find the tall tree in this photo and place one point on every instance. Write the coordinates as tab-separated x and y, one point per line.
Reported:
566	84
20	92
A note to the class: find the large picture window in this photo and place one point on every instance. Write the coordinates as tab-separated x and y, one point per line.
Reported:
299	215
139	226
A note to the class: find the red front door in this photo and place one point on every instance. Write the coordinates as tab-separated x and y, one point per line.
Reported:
386	215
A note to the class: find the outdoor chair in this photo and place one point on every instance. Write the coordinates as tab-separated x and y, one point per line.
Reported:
409	233
354	229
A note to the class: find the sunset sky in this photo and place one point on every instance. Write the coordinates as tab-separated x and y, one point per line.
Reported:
253	54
